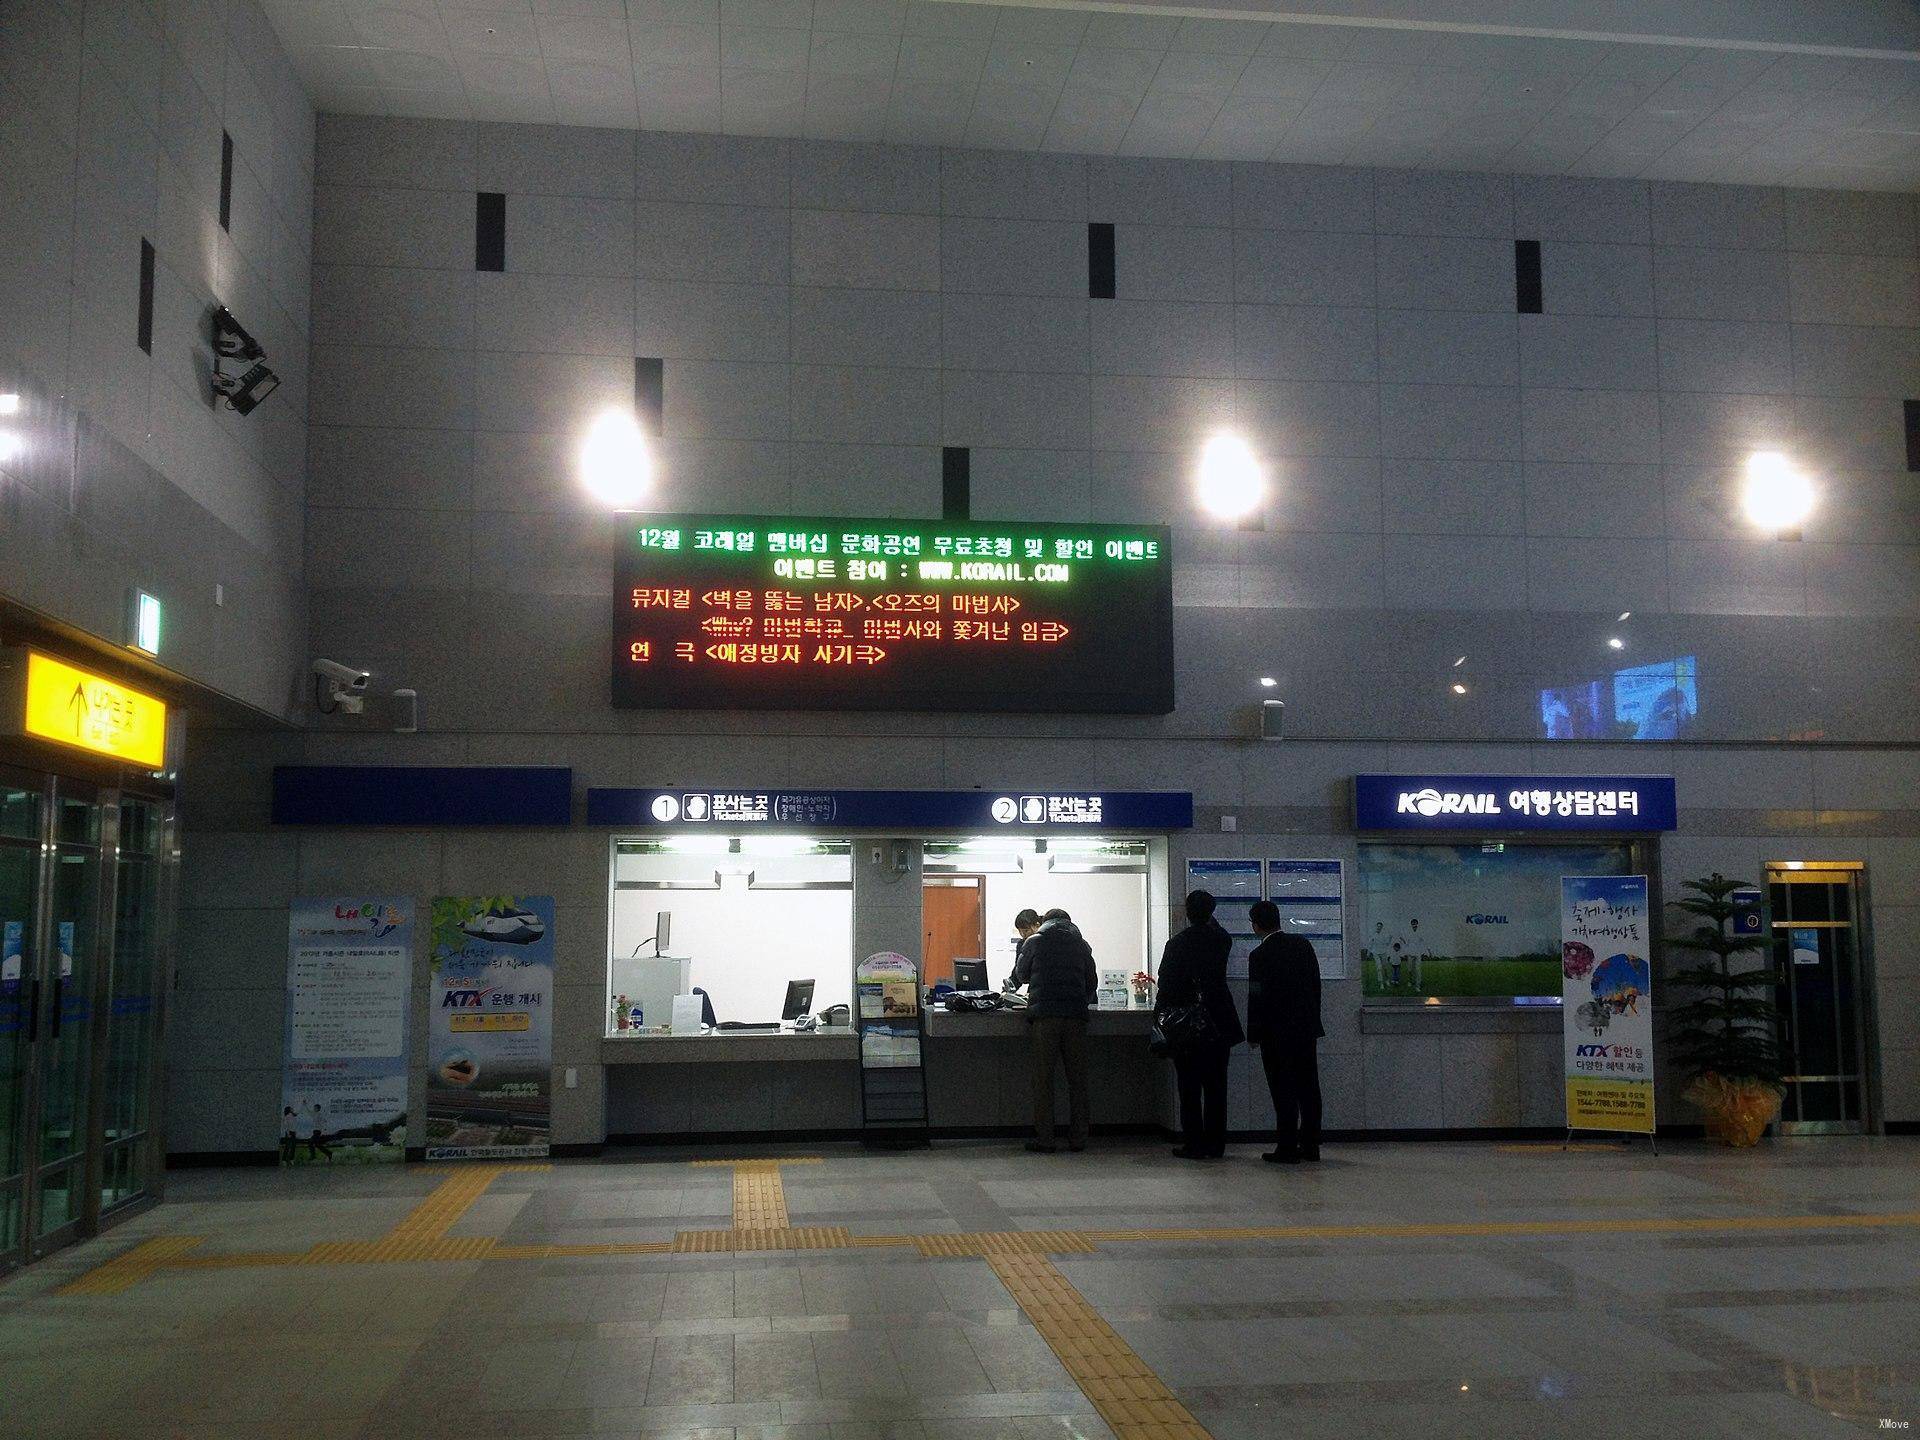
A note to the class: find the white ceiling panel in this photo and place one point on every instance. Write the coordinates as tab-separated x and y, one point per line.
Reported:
1801	94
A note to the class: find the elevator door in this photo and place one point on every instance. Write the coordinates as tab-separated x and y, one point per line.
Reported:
1817	947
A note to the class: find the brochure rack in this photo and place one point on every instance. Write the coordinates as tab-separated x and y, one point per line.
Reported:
890	1022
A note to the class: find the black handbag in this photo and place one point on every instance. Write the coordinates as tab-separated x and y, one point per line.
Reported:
1182	1029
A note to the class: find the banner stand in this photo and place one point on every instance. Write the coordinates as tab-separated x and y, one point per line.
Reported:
1606	1005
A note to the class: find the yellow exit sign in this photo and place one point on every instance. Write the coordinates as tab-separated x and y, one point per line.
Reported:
76	707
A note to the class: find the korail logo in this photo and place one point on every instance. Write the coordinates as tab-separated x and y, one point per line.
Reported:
1430	802
1479	919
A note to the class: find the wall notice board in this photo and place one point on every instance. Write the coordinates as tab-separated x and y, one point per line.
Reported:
1310	895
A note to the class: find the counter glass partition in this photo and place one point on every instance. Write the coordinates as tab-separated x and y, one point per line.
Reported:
974	887
750	922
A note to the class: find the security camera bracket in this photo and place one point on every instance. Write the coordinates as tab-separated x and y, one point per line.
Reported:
231	342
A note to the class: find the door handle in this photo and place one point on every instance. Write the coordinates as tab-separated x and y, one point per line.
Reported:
53	1028
33	1010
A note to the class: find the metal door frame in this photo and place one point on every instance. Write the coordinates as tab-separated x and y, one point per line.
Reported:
26	1044
167	870
1865	1029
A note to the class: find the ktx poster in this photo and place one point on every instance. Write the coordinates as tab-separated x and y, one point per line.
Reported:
343	1085
1607	1002
490	1034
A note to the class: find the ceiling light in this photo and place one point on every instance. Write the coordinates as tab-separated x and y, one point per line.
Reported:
1459	689
10	445
615	463
1625	615
1614	642
1268	681
10	402
1458	663
1231	485
1778	496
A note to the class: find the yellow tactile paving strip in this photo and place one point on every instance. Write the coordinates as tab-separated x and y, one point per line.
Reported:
1002	1242
759	1199
1129	1396
131	1268
422	1234
801	1237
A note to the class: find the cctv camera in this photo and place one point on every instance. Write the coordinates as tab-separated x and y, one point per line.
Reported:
344	676
339	688
231	340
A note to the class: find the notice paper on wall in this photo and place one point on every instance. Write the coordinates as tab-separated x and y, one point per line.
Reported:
1234	885
490	1033
1607	1002
343	1086
1311	898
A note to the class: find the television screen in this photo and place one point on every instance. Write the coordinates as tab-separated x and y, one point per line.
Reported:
1641	702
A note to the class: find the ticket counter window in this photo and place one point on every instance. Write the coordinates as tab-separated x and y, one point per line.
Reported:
738	918
973	889
1469	922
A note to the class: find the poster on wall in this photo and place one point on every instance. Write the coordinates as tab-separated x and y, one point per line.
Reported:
1607	1002
1234	885
1457	922
343	1084
490	1030
1311	898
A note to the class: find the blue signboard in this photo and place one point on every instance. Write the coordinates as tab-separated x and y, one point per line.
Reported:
422	794
1014	810
1631	804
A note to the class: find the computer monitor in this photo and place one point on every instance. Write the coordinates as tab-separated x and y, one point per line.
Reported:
662	931
969	974
799	999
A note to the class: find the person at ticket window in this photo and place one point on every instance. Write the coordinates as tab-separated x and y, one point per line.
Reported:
1056	965
1283	1024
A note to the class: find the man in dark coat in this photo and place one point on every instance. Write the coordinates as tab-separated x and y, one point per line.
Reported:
1056	965
1283	1020
1193	967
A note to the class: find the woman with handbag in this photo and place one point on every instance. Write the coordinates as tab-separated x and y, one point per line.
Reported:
1196	1015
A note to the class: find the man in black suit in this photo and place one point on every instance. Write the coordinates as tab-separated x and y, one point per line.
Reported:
1193	969
1283	1022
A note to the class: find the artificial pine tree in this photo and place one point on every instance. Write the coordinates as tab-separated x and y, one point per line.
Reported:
1728	1036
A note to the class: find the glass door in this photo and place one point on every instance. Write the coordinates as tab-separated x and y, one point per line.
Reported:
20	802
1817	954
133	1006
57	1196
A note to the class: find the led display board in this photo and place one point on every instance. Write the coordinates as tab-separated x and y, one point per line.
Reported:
791	613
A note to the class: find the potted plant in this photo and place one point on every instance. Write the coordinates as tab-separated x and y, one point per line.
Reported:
1142	987
1728	1035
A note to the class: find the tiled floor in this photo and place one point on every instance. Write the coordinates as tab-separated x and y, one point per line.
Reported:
1374	1325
